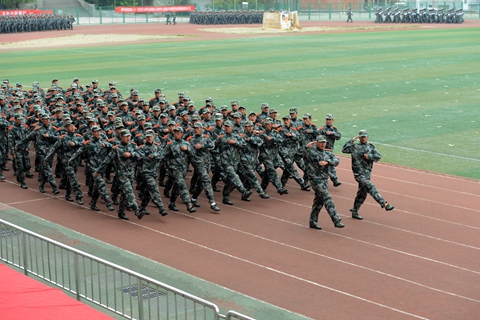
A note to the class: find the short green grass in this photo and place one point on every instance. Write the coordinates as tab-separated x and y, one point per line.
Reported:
416	91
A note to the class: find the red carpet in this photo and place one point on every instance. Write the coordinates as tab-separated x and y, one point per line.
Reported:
24	298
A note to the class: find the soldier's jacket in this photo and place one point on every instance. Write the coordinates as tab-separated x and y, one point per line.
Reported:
4	124
238	129
229	153
128	119
296	122
63	148
123	165
269	148
94	151
332	137
42	143
249	153
312	156
289	144
176	158
360	165
201	156
58	125
16	133
151	154
262	116
308	133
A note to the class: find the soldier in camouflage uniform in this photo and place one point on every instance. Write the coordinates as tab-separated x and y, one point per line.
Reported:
228	145
94	151
65	147
45	136
332	134
151	154
317	160
4	124
177	153
19	151
364	154
124	155
201	146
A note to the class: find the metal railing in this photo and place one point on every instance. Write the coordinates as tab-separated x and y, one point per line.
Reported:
117	289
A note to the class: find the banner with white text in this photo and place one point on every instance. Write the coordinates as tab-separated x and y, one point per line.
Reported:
154	9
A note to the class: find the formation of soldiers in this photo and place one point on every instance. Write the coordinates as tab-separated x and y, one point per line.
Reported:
226	17
32	22
418	16
137	145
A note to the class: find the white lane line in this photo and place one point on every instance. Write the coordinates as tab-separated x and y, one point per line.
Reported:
27	201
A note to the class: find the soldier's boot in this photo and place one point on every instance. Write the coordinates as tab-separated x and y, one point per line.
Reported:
144	209
215	189
122	215
109	206
41	187
140	214
264	195
338	223
23	185
195	203
336	183
5	168
172	206
79	200
93	206
28	174
282	191
53	184
162	211
214	206
68	198
305	186
246	195
2	177
387	206
108	179
114	200
191	208
167	193
355	214
227	201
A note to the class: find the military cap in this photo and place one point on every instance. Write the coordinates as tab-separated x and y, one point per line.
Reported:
93	119
35	91
36	107
162	101
114	95
329	116
17	107
218	117
181	94
147	125
287	116
272	111
264	105
54	79
68	122
19	84
196	117
95	81
95	95
118	119
208	99
248	124
208	104
2	97
134	93
183	113
65	116
59	96
149	133
163	115
38	99
307	115
171	123
124	103
198	125
237	115
268	120
141	100
178	129
228	123
187	98
5	80
101	103
88	85
113	88
81	104
138	112
363	133
222	108
75	79
19	116
206	110
16	100
111	83
95	128
158	90
141	118
35	84
156	108
171	108
110	114
241	107
90	115
191	104
321	138
234	102
119	125
45	116
54	87
252	112
74	86
125	133
4	85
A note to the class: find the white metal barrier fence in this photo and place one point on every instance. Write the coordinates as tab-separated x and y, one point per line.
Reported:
120	290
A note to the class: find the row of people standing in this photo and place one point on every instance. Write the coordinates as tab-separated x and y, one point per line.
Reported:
32	22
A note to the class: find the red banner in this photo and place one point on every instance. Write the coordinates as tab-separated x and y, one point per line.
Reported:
154	9
22	12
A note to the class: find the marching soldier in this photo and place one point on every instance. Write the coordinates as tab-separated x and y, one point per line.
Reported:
332	134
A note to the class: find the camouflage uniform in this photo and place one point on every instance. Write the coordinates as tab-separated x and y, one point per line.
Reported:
4	124
318	174
363	157
332	134
18	150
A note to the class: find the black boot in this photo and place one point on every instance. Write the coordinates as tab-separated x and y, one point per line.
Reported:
41	187
93	206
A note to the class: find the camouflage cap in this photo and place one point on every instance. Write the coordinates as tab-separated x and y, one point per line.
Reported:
19	116
17	107
198	125
171	108
125	133
118	119
111	83
268	120
252	113
158	90
37	99
264	105
196	117
74	86
178	129
208	99
95	81
223	108
329	116
45	116
58	109
147	125
141	118
237	115
228	123
75	79
134	93
181	94
19	84
183	113
36	107
218	117
88	85
248	124
124	103
307	115
114	95
363	133
95	128
141	100
119	125
96	95
208	104
191	104
241	107
138	112
321	138
68	122
2	97
16	100
149	133
287	116
163	115
80	104
65	116
93	119
187	98
272	111
156	109
171	123
163	101
234	102
110	114
206	110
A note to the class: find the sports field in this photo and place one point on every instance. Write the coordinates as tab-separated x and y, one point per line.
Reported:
416	91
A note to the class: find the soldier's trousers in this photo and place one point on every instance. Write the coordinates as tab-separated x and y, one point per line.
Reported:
72	182
202	182
179	187
231	182
21	165
45	173
332	173
3	152
127	196
250	179
270	175
365	186
99	188
290	171
150	191
322	198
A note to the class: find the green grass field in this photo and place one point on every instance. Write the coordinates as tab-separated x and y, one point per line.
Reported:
417	92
